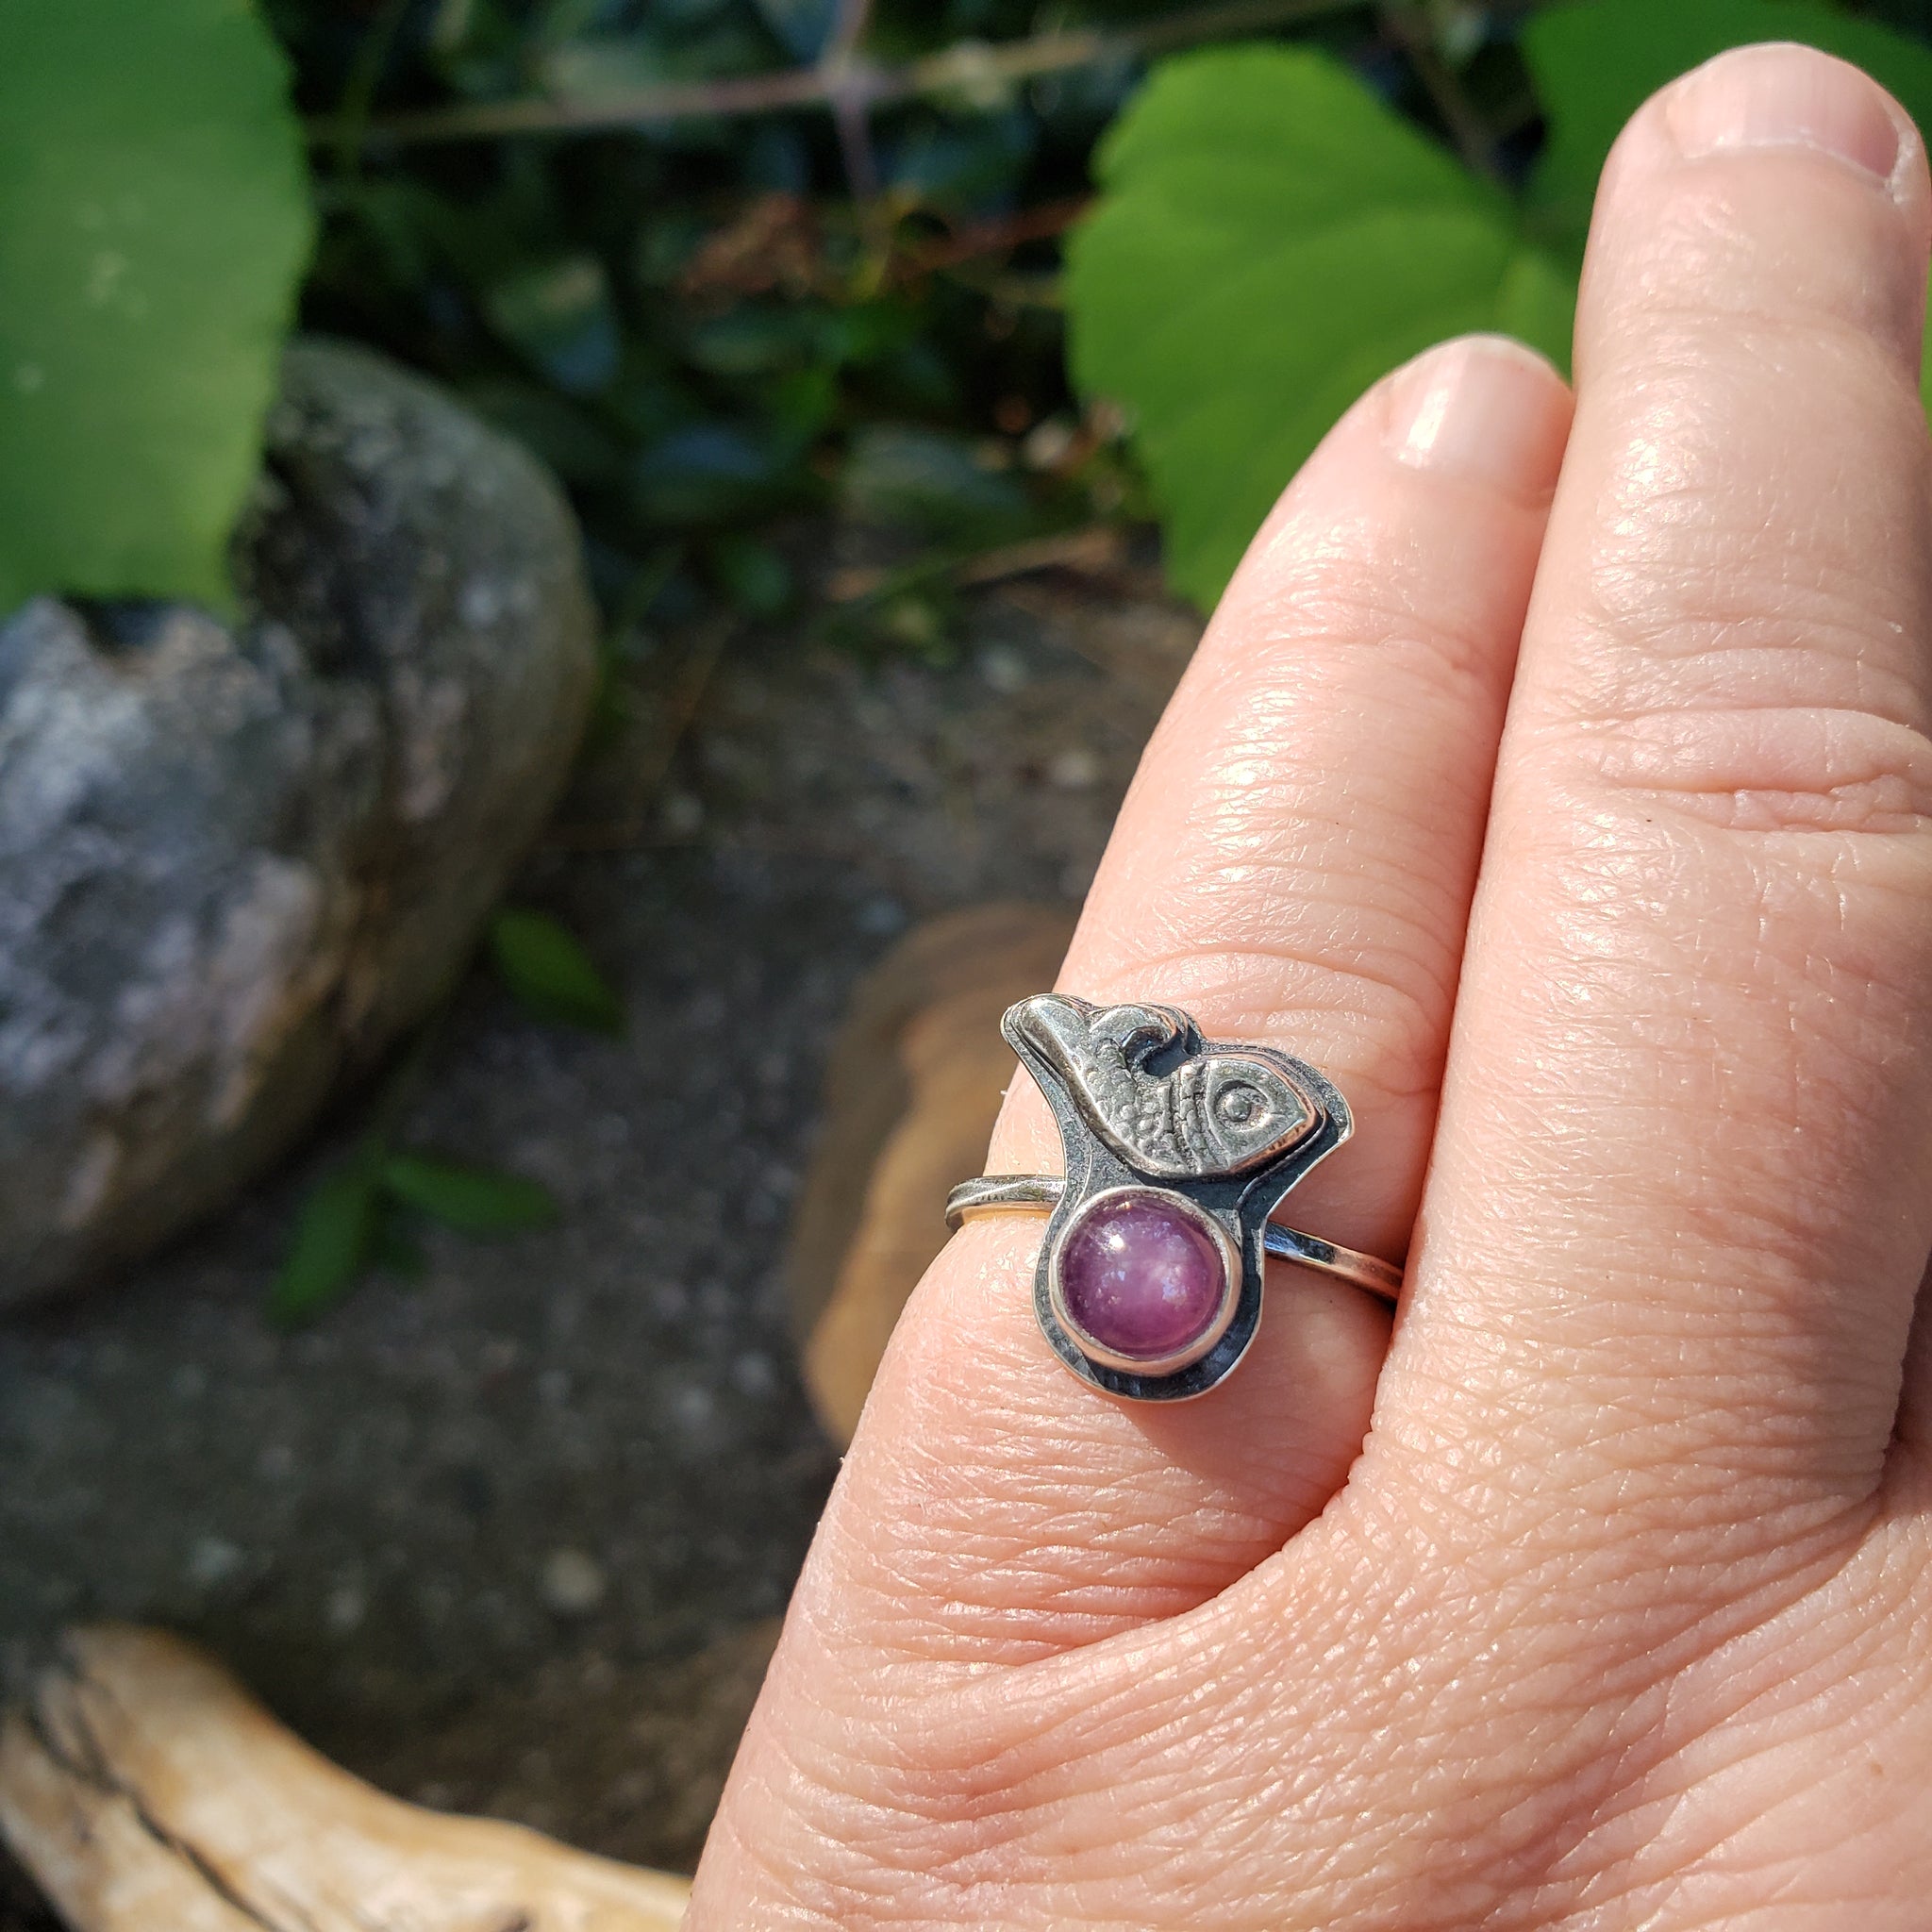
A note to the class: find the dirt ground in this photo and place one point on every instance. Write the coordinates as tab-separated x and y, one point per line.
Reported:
512	1537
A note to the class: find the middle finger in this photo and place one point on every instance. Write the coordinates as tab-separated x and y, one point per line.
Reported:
1293	866
1677	1215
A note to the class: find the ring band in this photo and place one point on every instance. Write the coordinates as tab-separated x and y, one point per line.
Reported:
1177	1150
1041	1193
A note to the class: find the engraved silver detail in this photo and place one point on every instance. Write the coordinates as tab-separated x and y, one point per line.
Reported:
1217	1110
1143	1101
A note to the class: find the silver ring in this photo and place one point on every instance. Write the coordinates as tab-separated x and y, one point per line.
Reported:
1040	1194
1177	1149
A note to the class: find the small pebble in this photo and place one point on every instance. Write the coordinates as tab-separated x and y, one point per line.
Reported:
213	1560
1047	443
754	1373
882	916
1002	669
345	1608
499	1356
693	1405
681	814
571	1582
1075	769
481	604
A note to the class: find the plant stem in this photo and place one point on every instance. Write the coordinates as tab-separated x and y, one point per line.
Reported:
1466	128
358	91
966	67
679	713
847	86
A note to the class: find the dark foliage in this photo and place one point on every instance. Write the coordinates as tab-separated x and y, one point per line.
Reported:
712	323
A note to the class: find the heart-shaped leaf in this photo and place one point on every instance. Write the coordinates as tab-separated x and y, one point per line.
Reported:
1271	240
154	217
1596	65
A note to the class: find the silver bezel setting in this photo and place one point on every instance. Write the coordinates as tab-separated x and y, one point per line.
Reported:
1122	1082
1205	1343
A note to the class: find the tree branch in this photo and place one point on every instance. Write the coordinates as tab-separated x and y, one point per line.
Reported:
843	84
847	91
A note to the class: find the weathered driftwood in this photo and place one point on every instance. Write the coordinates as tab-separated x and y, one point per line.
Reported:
146	1791
912	1090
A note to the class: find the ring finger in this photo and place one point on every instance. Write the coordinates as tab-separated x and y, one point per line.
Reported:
1293	865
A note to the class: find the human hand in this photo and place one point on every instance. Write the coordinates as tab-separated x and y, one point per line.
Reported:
1620	1616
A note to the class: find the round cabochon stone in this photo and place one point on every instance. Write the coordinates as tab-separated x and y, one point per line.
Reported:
1140	1275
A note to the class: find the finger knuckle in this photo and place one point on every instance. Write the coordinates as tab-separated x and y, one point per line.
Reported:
1770	768
1735	249
1341	607
1379	1011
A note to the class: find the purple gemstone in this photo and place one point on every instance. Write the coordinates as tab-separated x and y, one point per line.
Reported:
1142	1276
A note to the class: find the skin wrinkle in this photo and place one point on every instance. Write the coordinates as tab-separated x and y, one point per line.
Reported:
1681	504
1734	606
1761	349
1807	768
1402	1027
1765	879
1247	933
1372	630
1066	1506
1394	956
1005	1779
1732	658
1838	1667
1209	877
1641	1732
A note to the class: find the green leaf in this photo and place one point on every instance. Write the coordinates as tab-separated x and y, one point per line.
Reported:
567	436
803	25
706	471
335	1233
752	575
474	1200
561	315
1596	65
1271	240
930	483
547	970
154	219
754	341
397	1249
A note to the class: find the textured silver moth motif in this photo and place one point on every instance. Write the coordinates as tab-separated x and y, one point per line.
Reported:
1210	1111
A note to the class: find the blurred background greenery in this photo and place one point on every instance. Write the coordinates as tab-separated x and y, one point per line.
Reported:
722	262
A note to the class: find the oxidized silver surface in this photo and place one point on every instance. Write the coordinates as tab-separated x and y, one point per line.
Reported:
1144	1101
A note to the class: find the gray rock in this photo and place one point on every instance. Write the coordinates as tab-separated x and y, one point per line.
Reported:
237	862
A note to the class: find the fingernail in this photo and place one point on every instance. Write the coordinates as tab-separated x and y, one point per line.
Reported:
1480	408
1785	97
